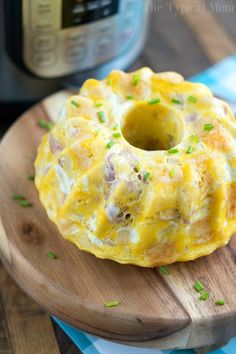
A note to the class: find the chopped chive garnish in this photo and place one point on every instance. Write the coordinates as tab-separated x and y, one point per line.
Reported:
52	255
25	203
138	166
154	101
98	104
31	178
208	126
109	82
112	303
194	138
116	135
220	302
192	99
135	80
173	151
204	295
146	176
76	104
172	173
44	124
189	150
164	270
199	286
110	144
115	127
101	117
18	197
176	101
129	97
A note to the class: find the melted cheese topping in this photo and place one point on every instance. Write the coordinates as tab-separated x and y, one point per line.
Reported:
164	192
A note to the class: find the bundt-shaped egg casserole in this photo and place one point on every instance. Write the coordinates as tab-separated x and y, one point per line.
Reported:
141	168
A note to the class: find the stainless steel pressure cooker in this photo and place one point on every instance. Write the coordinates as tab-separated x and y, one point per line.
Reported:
49	44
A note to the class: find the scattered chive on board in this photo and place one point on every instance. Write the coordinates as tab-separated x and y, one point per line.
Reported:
154	101
76	104
101	117
146	176
189	150
172	173
110	144
129	97
204	295
112	303
173	151
208	126
52	255
44	124
25	203
164	270
31	178
135	80
199	286
220	302
98	104
18	197
116	135
115	127
194	138
176	101
192	99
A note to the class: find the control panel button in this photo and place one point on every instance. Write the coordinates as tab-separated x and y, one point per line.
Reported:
75	54
44	60
104	45
76	38
44	43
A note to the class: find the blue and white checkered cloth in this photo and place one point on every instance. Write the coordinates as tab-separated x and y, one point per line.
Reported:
221	79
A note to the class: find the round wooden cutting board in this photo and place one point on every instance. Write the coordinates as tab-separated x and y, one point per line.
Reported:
155	310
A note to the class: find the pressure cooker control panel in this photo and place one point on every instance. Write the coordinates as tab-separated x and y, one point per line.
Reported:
62	37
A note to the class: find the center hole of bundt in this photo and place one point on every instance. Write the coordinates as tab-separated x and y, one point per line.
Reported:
152	127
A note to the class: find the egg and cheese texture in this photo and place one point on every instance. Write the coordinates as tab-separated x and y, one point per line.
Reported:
141	169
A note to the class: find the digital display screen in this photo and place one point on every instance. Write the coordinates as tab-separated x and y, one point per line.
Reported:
77	12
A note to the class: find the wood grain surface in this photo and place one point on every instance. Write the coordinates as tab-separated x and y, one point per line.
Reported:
177	41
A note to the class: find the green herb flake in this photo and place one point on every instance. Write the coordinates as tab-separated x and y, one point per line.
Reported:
76	104
98	104
194	138
208	127
18	197
25	203
146	176
135	80
52	255
110	144
115	127
176	101
31	178
172	173
192	99
116	135
44	124
109	82
164	270
220	302
129	97
154	101
189	150
173	151
112	303
101	117
204	295
199	286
